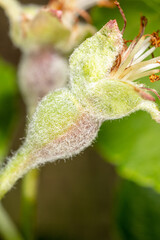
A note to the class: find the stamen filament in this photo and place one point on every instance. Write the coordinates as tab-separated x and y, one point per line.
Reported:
152	63
132	71
139	67
143	47
148	67
145	55
144	74
129	58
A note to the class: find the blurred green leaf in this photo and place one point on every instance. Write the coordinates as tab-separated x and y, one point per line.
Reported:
132	143
154	4
137	212
8	106
133	10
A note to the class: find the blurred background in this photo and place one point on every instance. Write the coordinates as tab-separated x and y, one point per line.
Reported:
109	191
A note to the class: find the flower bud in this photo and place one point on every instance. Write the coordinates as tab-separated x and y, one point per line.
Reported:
102	87
40	72
37	27
92	60
60	128
33	27
45	34
102	69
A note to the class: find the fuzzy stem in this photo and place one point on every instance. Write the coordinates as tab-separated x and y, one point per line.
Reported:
15	169
29	200
12	8
7	227
29	197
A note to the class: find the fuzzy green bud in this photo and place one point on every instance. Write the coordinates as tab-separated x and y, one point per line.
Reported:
60	128
98	86
102	87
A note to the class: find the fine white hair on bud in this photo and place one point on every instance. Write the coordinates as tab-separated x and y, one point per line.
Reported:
64	136
40	72
103	71
60	128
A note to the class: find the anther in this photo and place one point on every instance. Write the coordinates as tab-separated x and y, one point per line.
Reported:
154	78
155	39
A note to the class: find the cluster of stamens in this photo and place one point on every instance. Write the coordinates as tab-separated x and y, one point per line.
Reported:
130	65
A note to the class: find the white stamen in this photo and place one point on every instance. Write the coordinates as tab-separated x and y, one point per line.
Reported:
143	47
148	67
143	74
155	60
129	58
145	55
139	68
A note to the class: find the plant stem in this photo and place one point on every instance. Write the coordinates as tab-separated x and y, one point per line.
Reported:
12	8
29	197
15	169
7	227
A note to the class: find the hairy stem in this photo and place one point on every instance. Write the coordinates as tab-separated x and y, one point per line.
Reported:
29	197
15	169
29	200
7	227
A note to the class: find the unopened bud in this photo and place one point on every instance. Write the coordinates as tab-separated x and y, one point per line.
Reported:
60	128
40	72
33	27
102	87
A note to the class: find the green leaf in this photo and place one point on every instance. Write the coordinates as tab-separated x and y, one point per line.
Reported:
154	4
133	10
8	105
137	212
133	143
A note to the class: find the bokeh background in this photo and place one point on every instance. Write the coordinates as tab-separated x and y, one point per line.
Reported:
108	192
